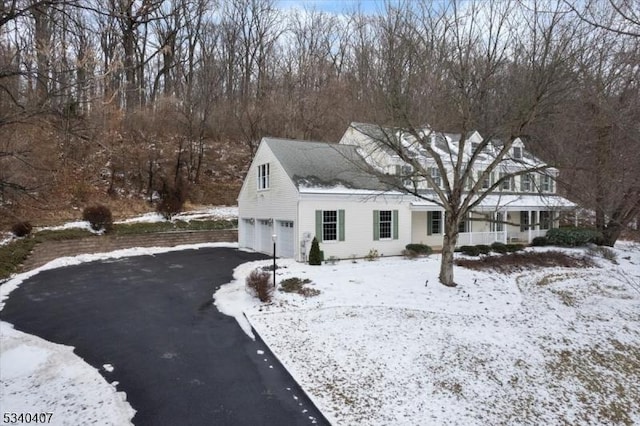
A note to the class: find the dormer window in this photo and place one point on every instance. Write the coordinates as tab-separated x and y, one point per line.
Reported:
263	176
474	146
517	152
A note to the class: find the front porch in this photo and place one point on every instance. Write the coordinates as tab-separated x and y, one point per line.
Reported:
516	226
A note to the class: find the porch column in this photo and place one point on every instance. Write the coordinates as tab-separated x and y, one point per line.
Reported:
505	226
575	217
529	226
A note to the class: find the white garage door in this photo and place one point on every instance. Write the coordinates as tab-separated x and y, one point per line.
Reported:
248	234
285	247
265	243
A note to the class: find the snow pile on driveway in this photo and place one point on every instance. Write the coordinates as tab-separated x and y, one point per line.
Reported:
42	377
385	343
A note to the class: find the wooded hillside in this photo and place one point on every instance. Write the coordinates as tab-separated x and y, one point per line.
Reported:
113	100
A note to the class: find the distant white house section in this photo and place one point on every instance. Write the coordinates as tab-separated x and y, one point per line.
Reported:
300	190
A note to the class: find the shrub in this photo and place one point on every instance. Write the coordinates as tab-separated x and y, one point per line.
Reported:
499	247
296	285
419	249
315	257
21	229
483	248
470	250
603	252
573	237
99	217
410	254
512	248
172	199
372	255
259	285
540	242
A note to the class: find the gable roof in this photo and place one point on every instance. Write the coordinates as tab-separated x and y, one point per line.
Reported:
323	165
443	143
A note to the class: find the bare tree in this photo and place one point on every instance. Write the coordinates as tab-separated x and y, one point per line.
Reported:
486	76
602	164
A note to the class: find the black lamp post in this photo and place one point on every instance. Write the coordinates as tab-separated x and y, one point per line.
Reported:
274	237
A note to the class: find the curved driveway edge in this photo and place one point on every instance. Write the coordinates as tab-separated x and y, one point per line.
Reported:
178	359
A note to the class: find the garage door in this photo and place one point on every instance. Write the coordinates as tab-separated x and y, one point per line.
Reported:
265	243
285	246
248	234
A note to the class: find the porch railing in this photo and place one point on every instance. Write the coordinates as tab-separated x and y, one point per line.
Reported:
473	238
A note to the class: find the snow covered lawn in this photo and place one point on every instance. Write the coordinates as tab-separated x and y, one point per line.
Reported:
378	346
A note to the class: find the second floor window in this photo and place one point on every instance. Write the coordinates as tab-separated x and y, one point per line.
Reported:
506	183
486	181
526	183
435	176
547	183
263	176
407	174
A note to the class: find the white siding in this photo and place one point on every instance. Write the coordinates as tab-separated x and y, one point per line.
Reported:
279	202
359	238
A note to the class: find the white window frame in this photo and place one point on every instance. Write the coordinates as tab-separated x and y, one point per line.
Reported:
464	226
506	184
436	176
486	182
497	222
407	174
517	152
385	226
547	183
435	220
546	219
326	225
526	182
263	177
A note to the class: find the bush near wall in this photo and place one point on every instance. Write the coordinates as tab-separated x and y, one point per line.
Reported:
21	229
99	217
573	237
499	247
470	250
540	242
419	249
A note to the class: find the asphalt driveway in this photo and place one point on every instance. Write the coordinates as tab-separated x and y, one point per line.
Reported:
179	360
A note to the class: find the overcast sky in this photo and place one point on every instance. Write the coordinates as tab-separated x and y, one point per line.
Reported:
334	6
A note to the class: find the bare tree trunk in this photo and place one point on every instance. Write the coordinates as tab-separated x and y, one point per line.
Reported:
42	19
448	248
